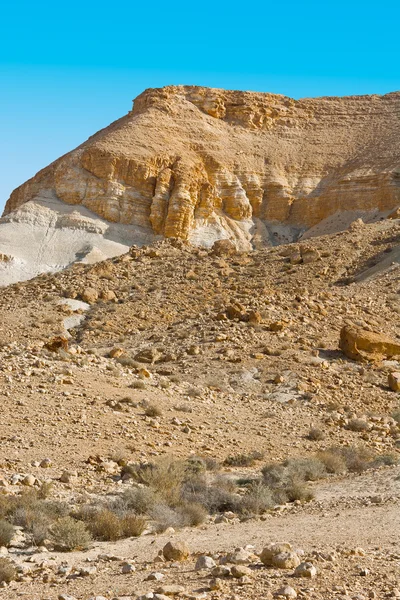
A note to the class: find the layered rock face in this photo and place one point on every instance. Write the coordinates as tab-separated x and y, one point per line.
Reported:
203	164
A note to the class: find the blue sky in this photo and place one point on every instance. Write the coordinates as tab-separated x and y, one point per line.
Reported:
68	69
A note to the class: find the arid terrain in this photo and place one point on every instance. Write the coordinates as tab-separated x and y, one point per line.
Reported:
203	394
200	355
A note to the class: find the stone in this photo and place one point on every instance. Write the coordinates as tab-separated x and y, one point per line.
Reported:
170	590
239	571
285	560
272	550
305	569
360	344
155	576
223	247
286	592
116	352
204	562
128	568
90	295
29	480
240	556
176	551
221	571
394	381
68	476
46	463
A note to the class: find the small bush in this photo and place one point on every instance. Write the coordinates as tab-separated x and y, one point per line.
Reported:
138	385
8	571
300	492
152	410
165	517
357	459
6	533
139	500
257	500
305	469
105	525
333	462
396	415
315	434
133	525
192	513
274	475
69	534
388	460
358	425
243	460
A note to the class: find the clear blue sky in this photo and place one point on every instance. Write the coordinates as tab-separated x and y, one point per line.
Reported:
69	68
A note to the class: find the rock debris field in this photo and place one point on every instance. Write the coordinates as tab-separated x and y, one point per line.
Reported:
182	422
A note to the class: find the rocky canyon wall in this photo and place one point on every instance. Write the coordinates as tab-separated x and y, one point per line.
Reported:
202	164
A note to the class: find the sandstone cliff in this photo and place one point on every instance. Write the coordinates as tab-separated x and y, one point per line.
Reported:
203	164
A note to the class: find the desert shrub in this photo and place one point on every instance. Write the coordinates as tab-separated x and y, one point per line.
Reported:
6	532
304	469
299	491
192	513
216	499
315	434
396	415
388	460
132	525
105	525
8	571
166	478
153	410
45	490
243	460
139	500
193	392
69	534
257	499
357	459
138	385
333	461
164	517
274	475
358	425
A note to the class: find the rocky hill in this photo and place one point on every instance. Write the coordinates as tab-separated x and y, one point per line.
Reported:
202	164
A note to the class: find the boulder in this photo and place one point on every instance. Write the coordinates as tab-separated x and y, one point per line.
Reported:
176	551
360	344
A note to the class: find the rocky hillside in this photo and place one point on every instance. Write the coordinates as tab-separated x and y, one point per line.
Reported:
170	413
202	164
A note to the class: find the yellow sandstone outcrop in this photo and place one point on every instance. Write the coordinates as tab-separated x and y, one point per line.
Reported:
204	164
361	344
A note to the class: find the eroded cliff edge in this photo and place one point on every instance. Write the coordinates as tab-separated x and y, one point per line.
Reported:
201	164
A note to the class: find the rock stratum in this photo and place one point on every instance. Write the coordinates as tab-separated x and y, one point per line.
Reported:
204	164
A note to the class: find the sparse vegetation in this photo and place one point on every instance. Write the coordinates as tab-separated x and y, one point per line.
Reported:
8	571
6	533
153	410
243	460
69	534
315	434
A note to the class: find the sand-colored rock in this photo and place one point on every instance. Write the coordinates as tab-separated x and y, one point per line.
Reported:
204	164
361	344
